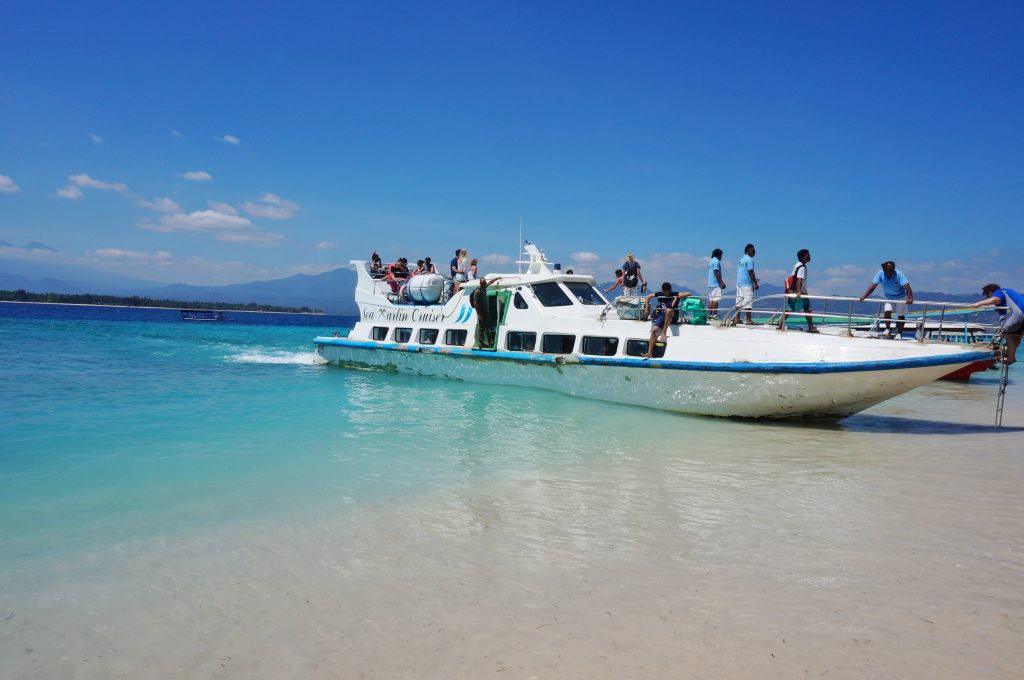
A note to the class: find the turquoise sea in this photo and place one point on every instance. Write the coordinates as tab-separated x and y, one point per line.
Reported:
206	500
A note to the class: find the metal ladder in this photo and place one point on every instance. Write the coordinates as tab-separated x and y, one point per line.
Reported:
1004	380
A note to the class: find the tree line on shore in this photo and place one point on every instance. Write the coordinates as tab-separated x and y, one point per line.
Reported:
21	295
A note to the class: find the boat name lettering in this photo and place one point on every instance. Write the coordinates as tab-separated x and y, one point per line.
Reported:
399	315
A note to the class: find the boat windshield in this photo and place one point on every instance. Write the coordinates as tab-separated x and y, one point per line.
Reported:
551	294
586	293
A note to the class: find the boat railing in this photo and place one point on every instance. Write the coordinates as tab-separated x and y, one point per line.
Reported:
926	319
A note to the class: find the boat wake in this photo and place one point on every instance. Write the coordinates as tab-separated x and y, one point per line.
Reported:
281	358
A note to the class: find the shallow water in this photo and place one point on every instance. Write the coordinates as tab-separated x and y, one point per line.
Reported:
206	500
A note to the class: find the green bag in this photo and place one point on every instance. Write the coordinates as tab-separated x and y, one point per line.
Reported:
692	309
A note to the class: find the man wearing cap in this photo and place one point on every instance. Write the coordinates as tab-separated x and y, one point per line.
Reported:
631	275
898	294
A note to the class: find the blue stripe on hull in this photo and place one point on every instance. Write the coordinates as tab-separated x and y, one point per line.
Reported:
734	367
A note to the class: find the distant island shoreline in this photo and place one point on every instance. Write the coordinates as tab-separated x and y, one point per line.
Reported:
136	302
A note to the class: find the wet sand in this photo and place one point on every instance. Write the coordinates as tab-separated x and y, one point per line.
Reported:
889	546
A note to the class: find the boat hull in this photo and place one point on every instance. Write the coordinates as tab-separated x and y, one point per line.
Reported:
829	391
964	374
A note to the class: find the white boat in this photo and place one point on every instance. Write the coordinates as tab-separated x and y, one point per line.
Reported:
557	331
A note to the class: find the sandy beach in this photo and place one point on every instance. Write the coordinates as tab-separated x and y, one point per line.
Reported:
886	547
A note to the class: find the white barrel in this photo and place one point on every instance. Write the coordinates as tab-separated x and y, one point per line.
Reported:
426	288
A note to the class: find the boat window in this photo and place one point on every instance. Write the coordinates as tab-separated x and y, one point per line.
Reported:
455	337
555	343
520	341
585	293
638	348
403	334
380	333
519	301
551	294
604	347
428	336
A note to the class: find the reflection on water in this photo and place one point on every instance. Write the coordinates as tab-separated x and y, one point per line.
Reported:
303	512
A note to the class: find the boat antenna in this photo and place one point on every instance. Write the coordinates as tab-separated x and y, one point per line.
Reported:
519	258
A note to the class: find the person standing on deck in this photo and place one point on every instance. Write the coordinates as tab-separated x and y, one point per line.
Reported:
799	305
746	284
484	323
898	294
716	284
455	265
1012	315
631	275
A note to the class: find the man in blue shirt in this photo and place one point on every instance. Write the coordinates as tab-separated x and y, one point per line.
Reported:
898	294
1009	305
746	283
715	282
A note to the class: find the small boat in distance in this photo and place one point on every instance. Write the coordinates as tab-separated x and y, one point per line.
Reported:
557	331
201	315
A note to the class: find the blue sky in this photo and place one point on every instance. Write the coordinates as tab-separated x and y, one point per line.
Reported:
220	143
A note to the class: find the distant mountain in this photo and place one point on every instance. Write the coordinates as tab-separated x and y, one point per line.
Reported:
35	245
331	291
43	285
48	277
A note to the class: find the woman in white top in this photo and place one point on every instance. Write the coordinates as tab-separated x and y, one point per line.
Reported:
461	274
471	272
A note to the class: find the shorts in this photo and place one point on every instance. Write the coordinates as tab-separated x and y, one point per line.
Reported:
714	294
629	291
659	320
1013	323
897	307
800	304
744	297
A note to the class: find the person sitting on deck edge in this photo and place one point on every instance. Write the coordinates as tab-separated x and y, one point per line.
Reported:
668	302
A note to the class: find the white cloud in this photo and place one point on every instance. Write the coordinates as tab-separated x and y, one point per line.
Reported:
166	267
223	207
230	228
585	257
7	185
160	258
326	245
271	207
844	271
160	205
95	137
495	259
229	139
84	180
72	193
175	133
679	268
197	176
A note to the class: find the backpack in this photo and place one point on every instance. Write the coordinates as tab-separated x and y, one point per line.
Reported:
629	277
792	282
